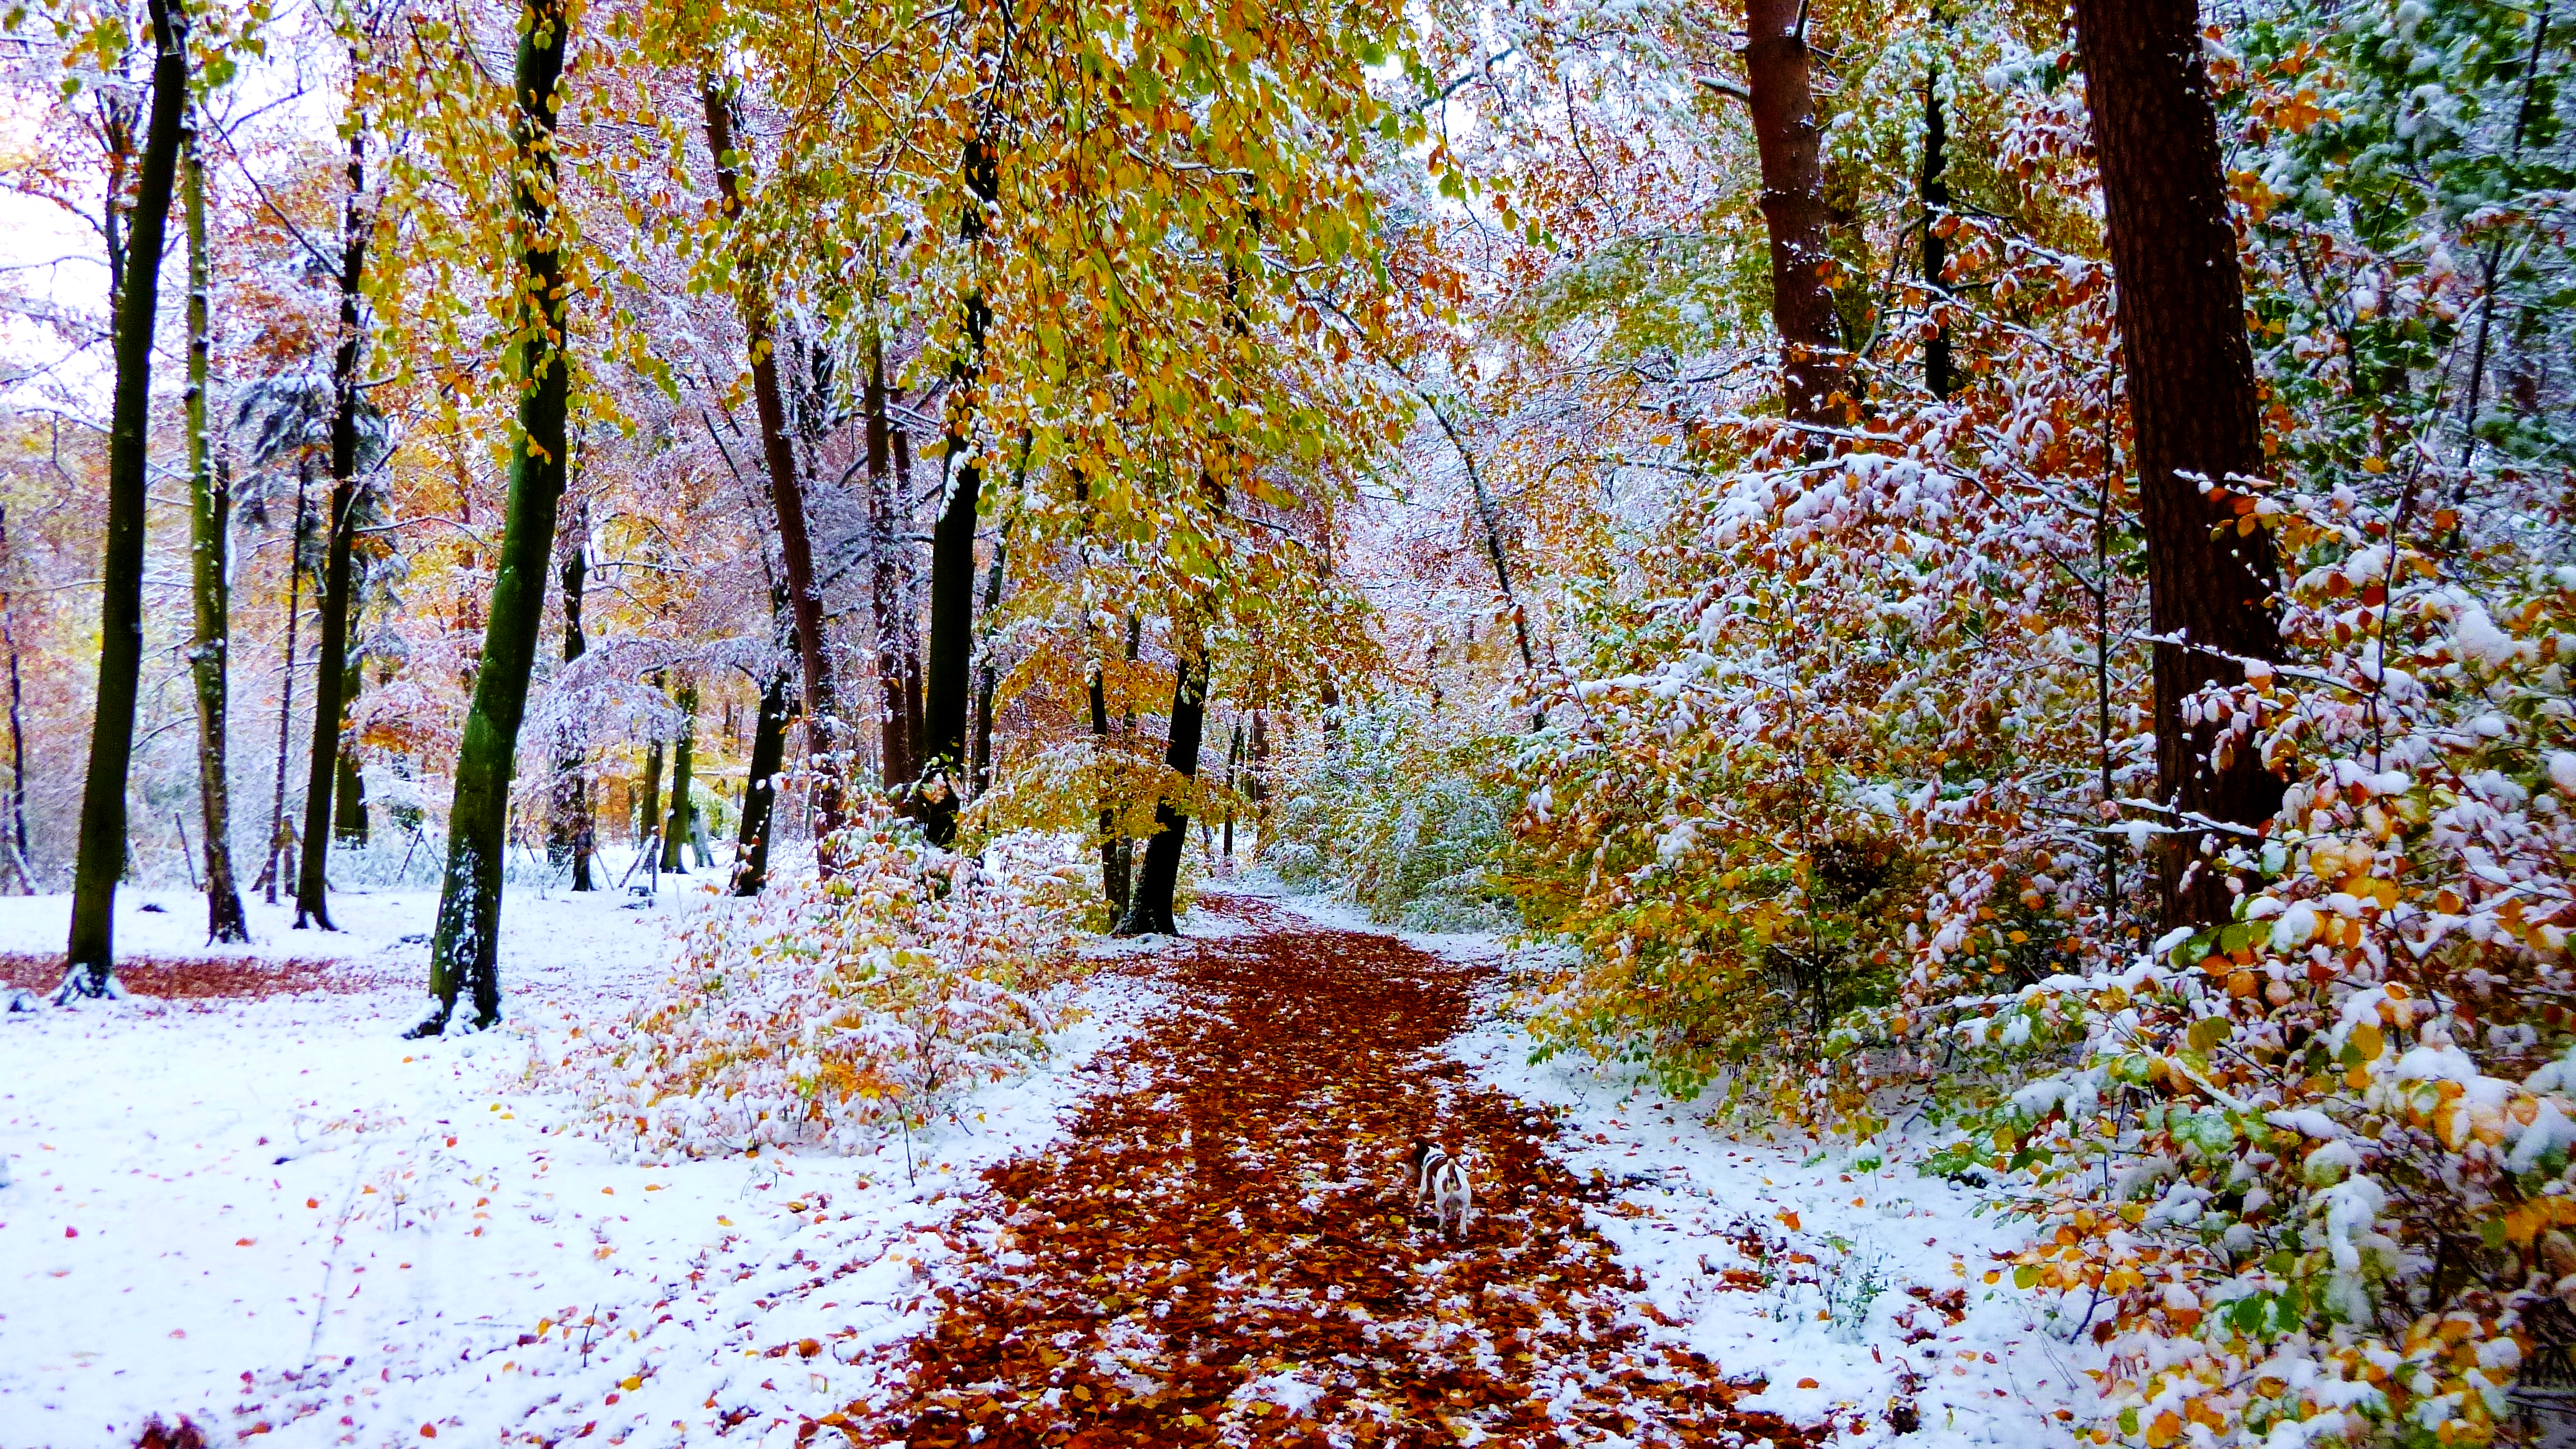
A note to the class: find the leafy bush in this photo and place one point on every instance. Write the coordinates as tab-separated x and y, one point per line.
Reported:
827	1011
1395	811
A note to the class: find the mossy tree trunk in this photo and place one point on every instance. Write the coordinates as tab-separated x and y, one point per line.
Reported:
648	807
675	820
463	951
89	956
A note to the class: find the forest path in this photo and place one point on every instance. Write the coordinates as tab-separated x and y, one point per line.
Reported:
1219	1251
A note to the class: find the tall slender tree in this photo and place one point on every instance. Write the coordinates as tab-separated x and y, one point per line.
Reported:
778	458
464	950
19	869
209	524
986	677
2192	402
1940	374
569	834
90	953
330	676
952	538
887	510
281	832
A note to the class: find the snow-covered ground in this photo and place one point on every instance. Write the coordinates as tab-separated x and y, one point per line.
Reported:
1854	1287
276	1214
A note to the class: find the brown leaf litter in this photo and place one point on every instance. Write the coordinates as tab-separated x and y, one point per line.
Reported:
1219	1251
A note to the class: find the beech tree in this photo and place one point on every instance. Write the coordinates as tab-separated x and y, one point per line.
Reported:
2212	576
90	955
331	679
209	529
464	951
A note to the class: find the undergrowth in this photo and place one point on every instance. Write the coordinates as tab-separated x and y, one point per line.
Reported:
825	1013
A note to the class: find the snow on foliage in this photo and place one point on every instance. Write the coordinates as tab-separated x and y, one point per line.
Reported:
827	1013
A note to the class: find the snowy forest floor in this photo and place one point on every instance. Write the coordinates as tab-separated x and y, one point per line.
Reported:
250	1203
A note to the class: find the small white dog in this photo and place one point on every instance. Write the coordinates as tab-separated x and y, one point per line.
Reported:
1442	1180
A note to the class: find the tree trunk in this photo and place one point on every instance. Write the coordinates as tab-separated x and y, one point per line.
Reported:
1149	912
1939	376
209	519
1233	759
349	810
89	955
985	682
13	831
952	540
888	511
1258	756
1786	135
1113	840
330	675
569	835
463	953
281	835
760	789
2192	403
675	819
648	814
786	491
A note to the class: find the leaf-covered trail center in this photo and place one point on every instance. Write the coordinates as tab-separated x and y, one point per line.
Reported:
1220	1249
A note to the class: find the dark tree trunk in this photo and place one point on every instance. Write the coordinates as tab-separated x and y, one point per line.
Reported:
675	819
1786	135
1113	840
760	790
786	490
889	511
281	834
985	681
1233	760
952	542
330	676
570	836
1259	759
2193	405
464	950
17	822
89	955
1149	912
1939	378
349	812
209	523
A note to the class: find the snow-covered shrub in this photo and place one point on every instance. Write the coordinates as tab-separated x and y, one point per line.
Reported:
1398	810
826	1012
